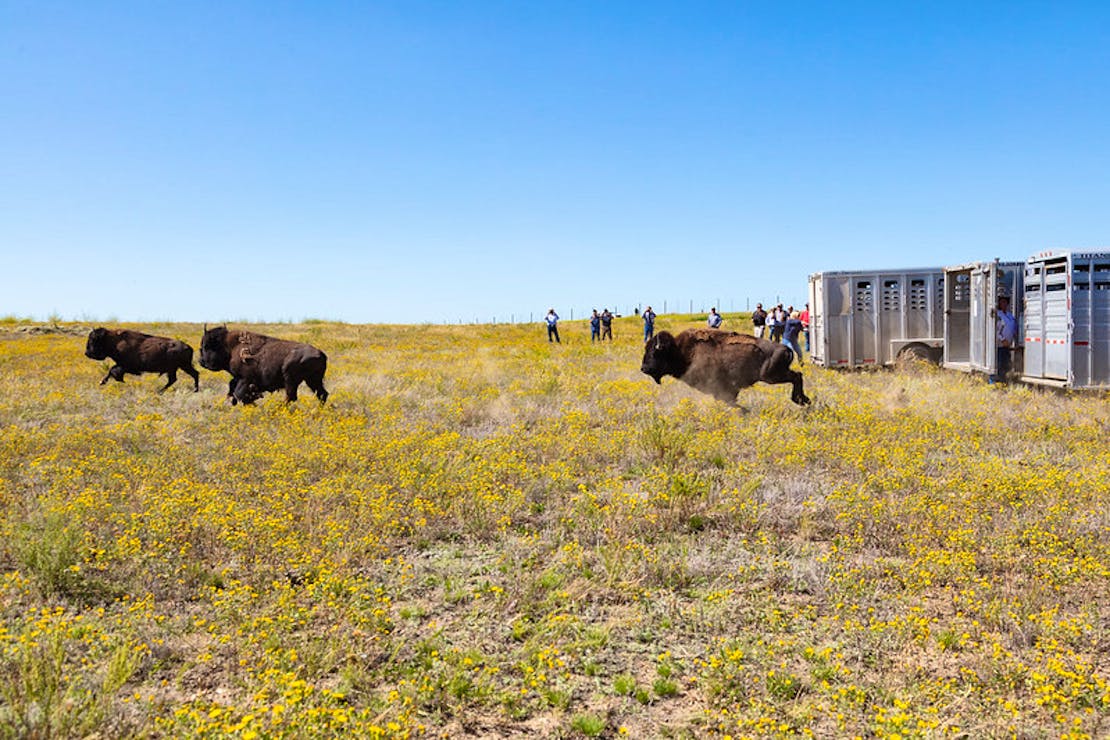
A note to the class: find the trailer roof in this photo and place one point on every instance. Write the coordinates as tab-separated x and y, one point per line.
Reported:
895	271
1050	254
980	263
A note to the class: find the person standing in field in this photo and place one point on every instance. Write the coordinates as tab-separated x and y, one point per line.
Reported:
606	324
649	323
804	317
791	328
552	320
780	323
1005	329
714	319
759	320
595	326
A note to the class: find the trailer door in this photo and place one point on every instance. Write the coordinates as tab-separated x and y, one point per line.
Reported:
983	355
865	330
817	310
1034	320
1009	282
957	308
1100	322
1057	329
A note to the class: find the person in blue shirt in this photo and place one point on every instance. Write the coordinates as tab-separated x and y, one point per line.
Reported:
595	326
791	328
649	323
1005	330
552	320
714	319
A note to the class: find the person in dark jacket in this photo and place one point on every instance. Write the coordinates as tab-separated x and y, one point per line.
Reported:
649	323
759	320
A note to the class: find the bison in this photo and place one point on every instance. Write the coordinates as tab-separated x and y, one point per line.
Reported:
721	363
135	353
259	364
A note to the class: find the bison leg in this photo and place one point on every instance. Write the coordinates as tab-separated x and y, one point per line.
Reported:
798	396
231	390
777	370
317	386
192	372
115	371
171	378
726	395
246	392
291	390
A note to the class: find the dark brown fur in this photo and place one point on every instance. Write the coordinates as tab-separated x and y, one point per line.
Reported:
259	364
721	363
135	353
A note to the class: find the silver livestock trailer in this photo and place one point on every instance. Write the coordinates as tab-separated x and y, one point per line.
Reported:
874	317
971	294
1067	319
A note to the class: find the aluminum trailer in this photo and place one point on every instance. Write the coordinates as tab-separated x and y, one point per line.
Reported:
1067	319
971	295
874	317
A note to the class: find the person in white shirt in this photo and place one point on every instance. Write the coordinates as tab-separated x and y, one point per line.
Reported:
552	320
714	319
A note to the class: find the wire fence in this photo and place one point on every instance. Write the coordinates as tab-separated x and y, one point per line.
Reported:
625	308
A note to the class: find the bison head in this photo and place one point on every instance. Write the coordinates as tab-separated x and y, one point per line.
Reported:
662	357
98	347
214	354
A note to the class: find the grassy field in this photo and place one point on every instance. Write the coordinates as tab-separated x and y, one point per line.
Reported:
485	534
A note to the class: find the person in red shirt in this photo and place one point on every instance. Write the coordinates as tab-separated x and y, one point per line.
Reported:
804	316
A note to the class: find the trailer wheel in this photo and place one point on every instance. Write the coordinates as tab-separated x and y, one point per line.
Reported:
913	353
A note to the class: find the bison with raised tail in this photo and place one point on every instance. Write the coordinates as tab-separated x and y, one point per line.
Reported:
135	353
721	363
259	364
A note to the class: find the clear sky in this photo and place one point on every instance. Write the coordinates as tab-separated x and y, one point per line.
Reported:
441	161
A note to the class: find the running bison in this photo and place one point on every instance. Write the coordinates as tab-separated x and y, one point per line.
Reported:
721	363
135	353
259	364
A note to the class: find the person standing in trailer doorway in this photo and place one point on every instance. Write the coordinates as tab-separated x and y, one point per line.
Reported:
1005	330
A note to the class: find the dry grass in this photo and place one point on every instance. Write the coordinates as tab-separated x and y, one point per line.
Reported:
484	534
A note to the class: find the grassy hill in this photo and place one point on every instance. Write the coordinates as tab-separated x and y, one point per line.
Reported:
486	534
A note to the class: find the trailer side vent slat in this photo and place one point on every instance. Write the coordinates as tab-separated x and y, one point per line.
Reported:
892	295
919	296
864	297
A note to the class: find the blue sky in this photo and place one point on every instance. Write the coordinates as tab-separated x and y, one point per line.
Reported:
445	161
